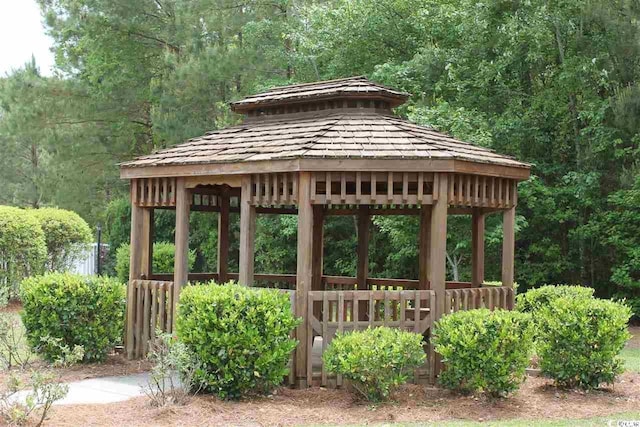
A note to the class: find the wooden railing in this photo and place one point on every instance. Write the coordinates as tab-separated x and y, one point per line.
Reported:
330	312
472	298
152	309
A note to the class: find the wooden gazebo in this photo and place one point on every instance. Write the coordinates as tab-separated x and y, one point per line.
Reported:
319	149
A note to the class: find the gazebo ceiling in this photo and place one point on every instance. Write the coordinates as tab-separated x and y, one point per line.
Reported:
340	124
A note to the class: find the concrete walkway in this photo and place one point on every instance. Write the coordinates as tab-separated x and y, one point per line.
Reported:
102	390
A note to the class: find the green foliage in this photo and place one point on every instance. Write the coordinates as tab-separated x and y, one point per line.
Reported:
66	236
484	351
534	300
580	340
375	361
238	335
22	249
163	259
72	310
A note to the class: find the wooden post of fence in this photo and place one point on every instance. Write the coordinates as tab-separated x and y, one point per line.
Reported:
181	265
508	245
437	266
363	257
247	233
135	264
303	275
477	247
223	235
424	255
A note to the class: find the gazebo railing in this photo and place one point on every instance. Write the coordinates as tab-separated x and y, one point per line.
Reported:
330	312
491	297
152	308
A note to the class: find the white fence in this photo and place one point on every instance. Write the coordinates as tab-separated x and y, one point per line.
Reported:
87	263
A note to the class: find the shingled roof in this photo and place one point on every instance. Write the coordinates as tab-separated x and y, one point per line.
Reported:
340	133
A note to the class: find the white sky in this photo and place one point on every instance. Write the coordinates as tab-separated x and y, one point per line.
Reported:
21	35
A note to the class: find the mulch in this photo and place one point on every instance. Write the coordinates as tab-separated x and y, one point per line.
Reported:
537	399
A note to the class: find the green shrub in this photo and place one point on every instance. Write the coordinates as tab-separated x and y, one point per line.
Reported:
238	335
580	341
375	361
79	310
22	249
538	298
163	259
66	235
484	351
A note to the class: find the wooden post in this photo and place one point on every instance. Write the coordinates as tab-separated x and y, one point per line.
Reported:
508	245
181	265
477	247
424	248
223	236
438	266
304	275
362	273
135	264
317	249
247	233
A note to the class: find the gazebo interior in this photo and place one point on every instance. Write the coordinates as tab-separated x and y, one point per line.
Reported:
316	150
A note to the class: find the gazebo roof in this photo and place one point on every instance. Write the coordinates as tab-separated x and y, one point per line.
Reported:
347	119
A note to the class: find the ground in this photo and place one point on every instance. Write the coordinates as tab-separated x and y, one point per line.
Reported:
536	400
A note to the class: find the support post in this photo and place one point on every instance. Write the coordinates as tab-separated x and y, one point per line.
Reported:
223	236
135	257
304	276
181	265
477	247
317	249
146	257
437	266
508	245
424	248
247	233
363	258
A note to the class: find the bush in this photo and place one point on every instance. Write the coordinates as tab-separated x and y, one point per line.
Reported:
375	361
22	249
580	341
85	311
163	259
536	299
66	236
238	335
484	351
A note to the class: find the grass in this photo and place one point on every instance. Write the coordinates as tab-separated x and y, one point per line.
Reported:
587	422
631	358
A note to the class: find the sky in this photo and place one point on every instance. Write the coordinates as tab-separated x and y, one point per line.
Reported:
21	35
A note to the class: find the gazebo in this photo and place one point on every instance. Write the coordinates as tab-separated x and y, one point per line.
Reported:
315	150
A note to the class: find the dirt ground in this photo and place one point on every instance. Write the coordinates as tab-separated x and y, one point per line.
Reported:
535	400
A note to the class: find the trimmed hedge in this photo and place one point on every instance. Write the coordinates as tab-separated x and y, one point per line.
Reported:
484	351
22	247
538	298
66	236
163	259
80	310
375	361
580	341
239	336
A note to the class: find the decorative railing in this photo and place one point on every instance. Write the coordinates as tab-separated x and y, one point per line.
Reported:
472	298
151	308
330	312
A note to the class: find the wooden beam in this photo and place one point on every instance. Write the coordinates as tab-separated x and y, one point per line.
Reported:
508	246
146	243
437	266
317	247
304	276
362	271
181	265
247	234
424	247
477	247
223	236
135	257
